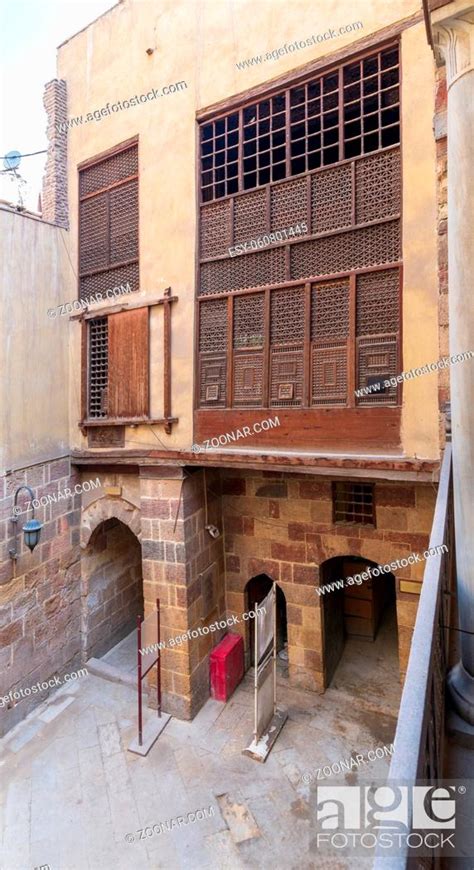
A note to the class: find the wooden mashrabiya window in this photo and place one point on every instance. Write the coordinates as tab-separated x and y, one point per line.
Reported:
309	316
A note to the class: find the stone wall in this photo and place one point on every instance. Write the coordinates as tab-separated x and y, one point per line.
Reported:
40	593
281	525
440	130
112	592
177	550
54	197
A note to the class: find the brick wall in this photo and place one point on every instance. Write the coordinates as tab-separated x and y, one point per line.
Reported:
40	593
55	196
281	525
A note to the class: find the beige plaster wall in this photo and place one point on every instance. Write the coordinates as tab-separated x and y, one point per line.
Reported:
35	276
200	41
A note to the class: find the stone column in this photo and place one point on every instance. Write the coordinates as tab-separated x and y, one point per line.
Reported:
454	45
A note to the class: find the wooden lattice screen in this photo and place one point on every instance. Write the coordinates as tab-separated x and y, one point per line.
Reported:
304	321
108	223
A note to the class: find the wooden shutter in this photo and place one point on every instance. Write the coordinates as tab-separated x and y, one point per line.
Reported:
128	394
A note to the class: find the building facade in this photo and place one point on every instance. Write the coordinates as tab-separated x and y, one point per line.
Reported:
274	206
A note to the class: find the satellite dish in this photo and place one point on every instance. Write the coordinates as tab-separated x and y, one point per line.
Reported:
12	160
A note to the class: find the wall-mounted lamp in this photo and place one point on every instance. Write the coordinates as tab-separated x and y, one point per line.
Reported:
31	529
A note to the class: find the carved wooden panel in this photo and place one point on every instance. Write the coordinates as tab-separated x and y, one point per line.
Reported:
249	320
287	316
377	358
378	302
330	310
215	229
329	373
212	380
288	204
248	270
286	376
249	216
378	186
356	249
331	199
213	325
248	379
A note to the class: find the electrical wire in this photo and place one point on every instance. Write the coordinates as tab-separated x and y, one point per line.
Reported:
31	154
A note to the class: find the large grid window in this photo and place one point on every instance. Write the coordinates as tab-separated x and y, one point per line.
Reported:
108	223
353	503
344	113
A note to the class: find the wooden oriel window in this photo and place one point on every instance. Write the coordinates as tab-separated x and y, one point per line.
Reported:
108	222
118	366
303	318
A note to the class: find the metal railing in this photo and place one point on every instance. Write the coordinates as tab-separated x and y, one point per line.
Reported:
419	738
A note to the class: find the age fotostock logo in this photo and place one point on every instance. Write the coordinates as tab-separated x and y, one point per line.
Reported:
387	817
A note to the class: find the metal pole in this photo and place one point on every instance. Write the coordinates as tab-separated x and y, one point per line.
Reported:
158	660
274	649
139	672
255	730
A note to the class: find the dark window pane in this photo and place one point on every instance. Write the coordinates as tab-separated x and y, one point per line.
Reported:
250	148
232	138
232	170
389	78
297	96
371	142
353	148
390	116
330	155
353	129
389	58
220	127
314	160
371	104
298	147
371	86
298	114
206	163
278	138
264	127
250	180
278	122
352	111
232	185
278	172
314	90
298	132
207	194
352	93
390	136
278	104
264	176
314	125
233	121
220	174
250	132
278	155
352	73
250	164
314	107
219	158
330	119
370	65
220	143
330	102
232	154
207	132
207	178
314	142
264	159
330	83
264	109
389	97
250	114
331	137
371	122
298	165
207	148
219	190
264	143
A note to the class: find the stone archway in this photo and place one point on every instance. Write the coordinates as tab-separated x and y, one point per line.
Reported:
111	574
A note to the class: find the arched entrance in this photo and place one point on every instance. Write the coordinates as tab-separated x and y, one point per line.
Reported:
363	612
255	591
112	587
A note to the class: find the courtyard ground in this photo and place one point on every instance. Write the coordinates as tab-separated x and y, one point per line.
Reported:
72	792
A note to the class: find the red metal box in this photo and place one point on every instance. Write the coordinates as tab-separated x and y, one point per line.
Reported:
226	666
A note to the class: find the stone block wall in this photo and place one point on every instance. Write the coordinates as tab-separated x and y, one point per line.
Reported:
440	130
55	196
281	525
177	550
39	594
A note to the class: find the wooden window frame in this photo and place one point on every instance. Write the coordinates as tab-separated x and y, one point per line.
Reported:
88	164
372	523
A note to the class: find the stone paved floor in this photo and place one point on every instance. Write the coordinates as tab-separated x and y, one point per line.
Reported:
72	791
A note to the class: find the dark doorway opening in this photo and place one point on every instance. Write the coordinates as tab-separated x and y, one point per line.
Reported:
256	590
354	612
